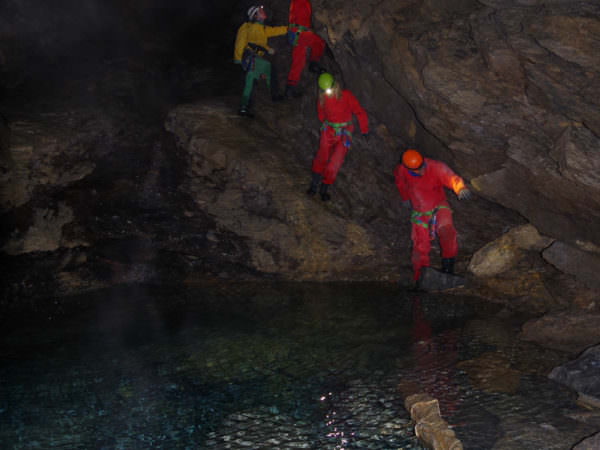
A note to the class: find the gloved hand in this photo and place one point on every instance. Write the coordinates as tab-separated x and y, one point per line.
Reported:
366	135
271	51
464	194
406	203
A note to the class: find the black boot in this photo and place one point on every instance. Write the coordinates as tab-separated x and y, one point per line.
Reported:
245	111
314	184
323	191
292	92
315	67
448	265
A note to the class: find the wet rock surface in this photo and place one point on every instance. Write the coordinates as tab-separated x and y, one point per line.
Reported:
572	332
582	375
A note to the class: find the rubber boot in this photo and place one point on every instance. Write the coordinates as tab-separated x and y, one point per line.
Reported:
245	111
448	265
292	92
314	184
323	191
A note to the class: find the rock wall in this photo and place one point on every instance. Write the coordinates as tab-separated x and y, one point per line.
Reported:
506	91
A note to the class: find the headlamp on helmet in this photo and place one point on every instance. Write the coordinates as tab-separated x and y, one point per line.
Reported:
253	10
326	82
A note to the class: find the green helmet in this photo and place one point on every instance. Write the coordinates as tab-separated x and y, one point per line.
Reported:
326	81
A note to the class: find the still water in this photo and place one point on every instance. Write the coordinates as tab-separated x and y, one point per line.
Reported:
319	366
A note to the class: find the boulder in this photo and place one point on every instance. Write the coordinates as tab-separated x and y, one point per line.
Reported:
582	375
430	428
583	265
503	253
570	332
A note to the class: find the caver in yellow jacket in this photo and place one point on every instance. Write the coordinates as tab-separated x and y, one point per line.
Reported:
254	33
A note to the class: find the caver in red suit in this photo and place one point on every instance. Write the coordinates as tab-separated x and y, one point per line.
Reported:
423	185
302	38
335	110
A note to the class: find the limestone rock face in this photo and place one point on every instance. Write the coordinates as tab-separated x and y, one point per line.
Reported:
52	151
589	443
258	193
585	266
97	185
506	91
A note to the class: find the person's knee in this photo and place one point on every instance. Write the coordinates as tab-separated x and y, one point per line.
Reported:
447	232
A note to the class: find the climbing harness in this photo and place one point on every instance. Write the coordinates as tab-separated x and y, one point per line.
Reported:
340	129
292	36
250	52
415	217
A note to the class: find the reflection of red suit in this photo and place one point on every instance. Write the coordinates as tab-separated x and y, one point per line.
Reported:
435	360
335	141
426	192
299	16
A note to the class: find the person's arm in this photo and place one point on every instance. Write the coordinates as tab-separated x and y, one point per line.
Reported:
359	112
275	31
400	182
241	40
292	12
320	111
451	181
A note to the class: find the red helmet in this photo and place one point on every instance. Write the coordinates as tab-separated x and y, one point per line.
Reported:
412	159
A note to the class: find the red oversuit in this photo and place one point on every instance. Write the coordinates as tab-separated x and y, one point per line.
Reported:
336	132
431	213
299	22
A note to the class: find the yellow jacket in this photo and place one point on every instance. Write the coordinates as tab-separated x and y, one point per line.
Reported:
254	33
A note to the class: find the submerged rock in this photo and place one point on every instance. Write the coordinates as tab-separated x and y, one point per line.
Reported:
434	280
430	428
570	332
491	372
582	375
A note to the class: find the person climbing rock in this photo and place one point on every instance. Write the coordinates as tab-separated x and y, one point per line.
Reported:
421	181
302	38
335	107
250	50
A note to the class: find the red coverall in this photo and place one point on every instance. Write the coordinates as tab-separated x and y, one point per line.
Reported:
425	193
299	19
335	140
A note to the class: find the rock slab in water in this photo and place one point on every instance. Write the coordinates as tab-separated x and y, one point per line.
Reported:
582	375
434	280
571	332
430	428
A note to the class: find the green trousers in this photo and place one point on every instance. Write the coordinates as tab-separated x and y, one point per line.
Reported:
261	67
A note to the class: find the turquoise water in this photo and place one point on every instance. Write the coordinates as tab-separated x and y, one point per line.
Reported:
274	366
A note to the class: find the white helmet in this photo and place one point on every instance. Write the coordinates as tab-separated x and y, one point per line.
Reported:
252	11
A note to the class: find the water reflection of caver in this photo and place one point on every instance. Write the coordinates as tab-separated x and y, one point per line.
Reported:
435	359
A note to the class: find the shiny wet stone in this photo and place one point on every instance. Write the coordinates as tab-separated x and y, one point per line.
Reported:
293	365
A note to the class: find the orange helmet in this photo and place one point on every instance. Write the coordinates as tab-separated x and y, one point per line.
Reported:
412	159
